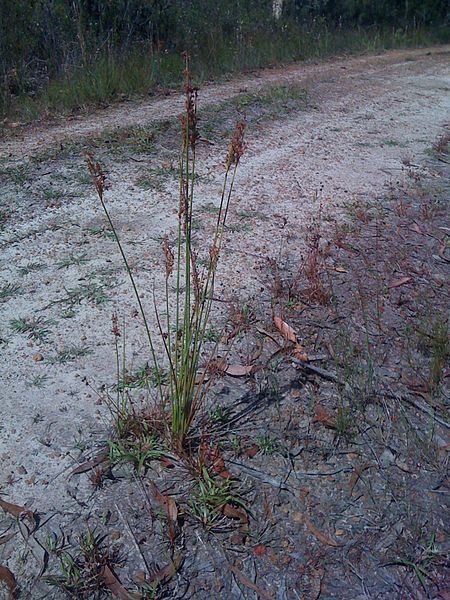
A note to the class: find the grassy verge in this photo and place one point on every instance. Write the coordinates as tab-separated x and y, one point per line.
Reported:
140	71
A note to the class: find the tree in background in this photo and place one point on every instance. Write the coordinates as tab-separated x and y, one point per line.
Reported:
42	41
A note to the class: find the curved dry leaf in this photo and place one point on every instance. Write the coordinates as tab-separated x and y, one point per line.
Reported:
165	574
286	330
402	281
214	458
356	475
249	583
8	578
5	538
235	512
171	508
114	585
252	451
238	370
91	464
300	354
322	537
340	269
167	502
321	416
17	511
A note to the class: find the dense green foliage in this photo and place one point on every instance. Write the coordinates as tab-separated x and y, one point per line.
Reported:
65	53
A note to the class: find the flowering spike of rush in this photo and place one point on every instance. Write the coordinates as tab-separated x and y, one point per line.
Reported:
189	119
236	147
197	280
168	255
96	171
214	255
115	325
184	204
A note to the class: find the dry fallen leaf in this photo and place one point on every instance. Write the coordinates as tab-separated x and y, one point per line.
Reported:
169	571
402	281
91	464
7	577
322	537
356	475
286	330
235	512
114	585
315	578
248	583
18	511
166	462
213	459
321	416
167	502
299	353
252	451
238	370
5	538
259	550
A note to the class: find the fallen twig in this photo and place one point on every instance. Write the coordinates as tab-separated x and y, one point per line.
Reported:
316	370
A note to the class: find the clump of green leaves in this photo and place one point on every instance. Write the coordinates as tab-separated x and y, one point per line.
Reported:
82	574
8	290
211	495
36	328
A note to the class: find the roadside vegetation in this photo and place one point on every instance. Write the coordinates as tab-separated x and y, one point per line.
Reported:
68	55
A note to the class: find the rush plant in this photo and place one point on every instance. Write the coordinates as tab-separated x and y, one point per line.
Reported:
184	329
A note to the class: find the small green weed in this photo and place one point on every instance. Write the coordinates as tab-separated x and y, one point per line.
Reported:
39	381
344	423
211	494
52	197
69	354
267	444
101	232
421	565
433	341
8	290
153	178
252	214
36	328
138	449
19	176
143	377
92	292
81	575
31	267
72	260
393	143
218	414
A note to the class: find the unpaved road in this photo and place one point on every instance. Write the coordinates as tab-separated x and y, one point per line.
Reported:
35	138
366	117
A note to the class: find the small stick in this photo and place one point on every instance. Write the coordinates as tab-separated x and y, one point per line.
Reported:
317	371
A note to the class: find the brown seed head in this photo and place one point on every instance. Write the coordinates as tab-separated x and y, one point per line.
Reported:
236	147
197	280
168	255
115	325
96	171
189	119
214	255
